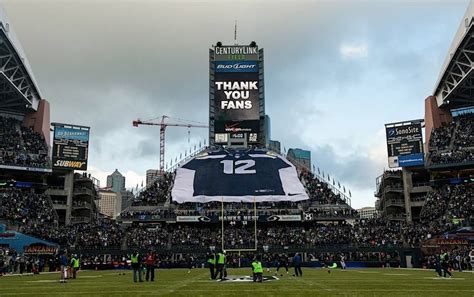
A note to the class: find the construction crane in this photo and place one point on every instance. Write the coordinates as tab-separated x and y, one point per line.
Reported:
163	124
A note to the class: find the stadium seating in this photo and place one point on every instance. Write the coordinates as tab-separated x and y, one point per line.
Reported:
453	143
21	146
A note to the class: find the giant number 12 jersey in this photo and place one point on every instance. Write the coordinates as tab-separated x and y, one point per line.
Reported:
234	176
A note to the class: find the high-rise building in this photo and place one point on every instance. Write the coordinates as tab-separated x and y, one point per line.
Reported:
275	146
151	176
110	203
116	181
367	212
127	199
300	157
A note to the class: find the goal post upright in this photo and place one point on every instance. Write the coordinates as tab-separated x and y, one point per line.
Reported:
255	230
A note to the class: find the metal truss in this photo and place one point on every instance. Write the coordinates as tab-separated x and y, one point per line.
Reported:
457	84
17	89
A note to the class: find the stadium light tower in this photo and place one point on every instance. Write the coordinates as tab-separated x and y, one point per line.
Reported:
163	124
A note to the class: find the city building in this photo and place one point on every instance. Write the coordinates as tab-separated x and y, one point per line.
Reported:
275	146
151	176
127	199
116	181
367	212
300	157
110	203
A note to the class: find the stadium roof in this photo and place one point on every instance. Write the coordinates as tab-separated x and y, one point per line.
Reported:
455	83
19	91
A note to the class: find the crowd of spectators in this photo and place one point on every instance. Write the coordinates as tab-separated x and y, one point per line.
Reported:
449	202
453	143
21	146
157	193
319	192
363	233
25	206
104	233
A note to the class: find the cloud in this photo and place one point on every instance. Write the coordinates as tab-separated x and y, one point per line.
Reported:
354	50
144	59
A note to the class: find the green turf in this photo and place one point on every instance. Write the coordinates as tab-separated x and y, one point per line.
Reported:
177	282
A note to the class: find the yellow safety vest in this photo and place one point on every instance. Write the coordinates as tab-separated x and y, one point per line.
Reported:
134	259
257	267
221	259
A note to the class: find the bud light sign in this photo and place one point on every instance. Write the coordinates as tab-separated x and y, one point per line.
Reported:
233	66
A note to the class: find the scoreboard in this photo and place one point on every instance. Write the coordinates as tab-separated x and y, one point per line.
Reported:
405	144
70	146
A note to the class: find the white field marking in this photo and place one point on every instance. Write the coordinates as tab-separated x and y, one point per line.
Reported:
429	269
29	274
445	278
91	276
373	272
44	281
401	274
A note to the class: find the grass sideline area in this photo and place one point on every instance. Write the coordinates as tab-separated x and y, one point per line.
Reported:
177	282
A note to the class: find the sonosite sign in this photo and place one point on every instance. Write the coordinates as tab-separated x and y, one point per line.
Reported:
405	144
70	146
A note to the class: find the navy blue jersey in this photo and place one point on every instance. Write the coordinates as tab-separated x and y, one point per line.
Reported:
237	173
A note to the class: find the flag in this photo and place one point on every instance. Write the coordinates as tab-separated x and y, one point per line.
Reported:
329	178
350	194
319	172
142	183
180	156
333	182
338	185
199	143
314	168
175	160
344	188
194	147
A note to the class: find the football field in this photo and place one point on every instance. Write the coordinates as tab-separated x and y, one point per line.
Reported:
177	282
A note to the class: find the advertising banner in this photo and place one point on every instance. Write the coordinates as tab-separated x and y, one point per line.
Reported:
235	53
233	66
70	147
404	144
236	126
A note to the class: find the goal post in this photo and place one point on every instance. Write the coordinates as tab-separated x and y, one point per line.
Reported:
255	218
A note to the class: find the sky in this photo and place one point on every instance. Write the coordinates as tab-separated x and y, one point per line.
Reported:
335	73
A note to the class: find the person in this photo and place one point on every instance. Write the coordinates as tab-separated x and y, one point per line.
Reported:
257	270
136	263
459	262
150	266
445	263
211	260
282	262
220	259
190	262
343	262
297	265
63	266
438	265
74	265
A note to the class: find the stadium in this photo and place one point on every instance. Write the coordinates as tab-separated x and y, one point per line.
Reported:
235	210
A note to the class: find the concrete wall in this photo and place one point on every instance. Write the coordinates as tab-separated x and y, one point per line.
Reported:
40	121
